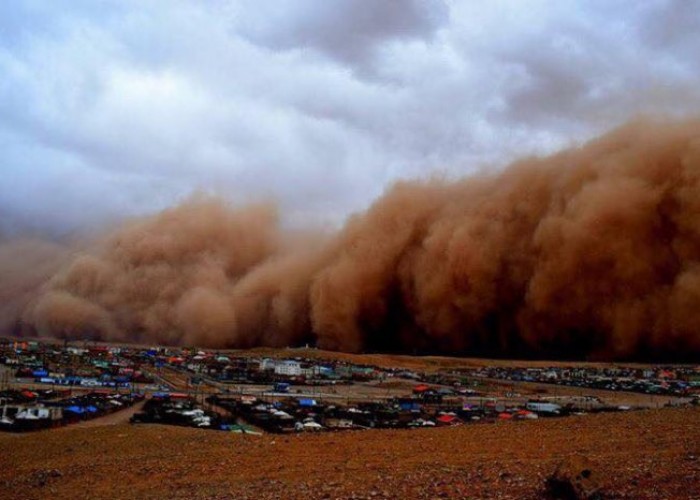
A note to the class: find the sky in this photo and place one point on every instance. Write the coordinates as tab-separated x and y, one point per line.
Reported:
114	108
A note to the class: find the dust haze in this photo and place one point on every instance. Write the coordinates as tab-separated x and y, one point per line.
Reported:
593	253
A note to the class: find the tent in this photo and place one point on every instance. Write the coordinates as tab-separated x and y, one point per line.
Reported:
420	388
447	420
527	415
28	394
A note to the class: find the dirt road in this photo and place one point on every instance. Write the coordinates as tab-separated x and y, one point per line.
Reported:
117	418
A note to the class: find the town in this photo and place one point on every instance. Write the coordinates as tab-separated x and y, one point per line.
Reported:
52	384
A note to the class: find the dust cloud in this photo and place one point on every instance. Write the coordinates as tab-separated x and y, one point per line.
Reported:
591	253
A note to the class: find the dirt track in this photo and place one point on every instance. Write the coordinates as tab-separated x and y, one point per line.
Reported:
652	454
119	417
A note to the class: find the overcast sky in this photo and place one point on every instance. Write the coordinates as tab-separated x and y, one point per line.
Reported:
111	108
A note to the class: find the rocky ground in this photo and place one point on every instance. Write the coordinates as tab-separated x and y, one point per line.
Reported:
646	454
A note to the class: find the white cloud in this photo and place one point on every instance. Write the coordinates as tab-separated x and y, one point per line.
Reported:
122	107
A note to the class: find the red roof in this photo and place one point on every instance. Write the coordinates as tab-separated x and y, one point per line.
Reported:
446	419
421	388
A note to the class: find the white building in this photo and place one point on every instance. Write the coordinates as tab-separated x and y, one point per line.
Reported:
288	367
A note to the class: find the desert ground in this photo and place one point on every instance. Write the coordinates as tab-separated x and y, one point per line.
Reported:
645	454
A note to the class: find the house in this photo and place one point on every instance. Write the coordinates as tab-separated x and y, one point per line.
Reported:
409	404
289	368
543	408
323	371
281	387
307	370
362	373
267	364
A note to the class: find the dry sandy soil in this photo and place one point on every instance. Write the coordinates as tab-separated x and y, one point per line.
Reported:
422	363
646	454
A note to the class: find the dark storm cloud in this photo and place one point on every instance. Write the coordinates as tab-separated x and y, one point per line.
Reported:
346	30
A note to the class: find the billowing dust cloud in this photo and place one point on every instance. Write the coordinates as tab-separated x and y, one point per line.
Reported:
591	253
25	264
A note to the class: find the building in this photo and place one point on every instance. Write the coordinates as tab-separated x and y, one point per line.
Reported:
289	368
268	364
